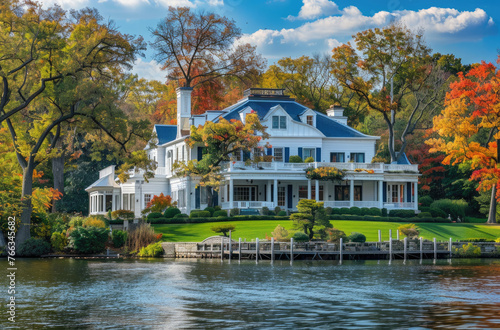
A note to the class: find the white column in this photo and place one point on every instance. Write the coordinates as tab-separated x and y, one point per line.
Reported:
275	192
317	190
231	191
188	194
416	196
380	194
308	189
269	192
351	193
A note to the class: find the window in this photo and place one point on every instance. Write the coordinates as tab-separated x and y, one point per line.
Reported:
309	152
281	196
147	199
342	193
358	157
132	202
203	195
309	120
257	153
182	198
337	157
246	155
109	203
245	193
278	154
303	192
279	122
125	201
237	155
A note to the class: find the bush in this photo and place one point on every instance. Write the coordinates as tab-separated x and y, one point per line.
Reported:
88	240
309	160
154	215
220	213
58	241
402	213
211	210
123	214
328	210
34	247
217	208
355	210
384	212
224	229
425	201
235	211
119	238
295	159
300	236
410	230
344	210
282	214
478	240
171	212
93	222
76	221
277	210
265	210
141	236
455	208
200	214
181	215
375	211
280	234
357	237
334	235
152	250
467	251
424	215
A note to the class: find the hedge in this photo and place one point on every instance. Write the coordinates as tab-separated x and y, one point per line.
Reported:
387	219
154	215
402	213
215	219
357	211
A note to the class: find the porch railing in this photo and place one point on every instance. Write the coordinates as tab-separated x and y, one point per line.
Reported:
338	204
247	205
408	205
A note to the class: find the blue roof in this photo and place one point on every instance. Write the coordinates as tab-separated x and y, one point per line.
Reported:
327	126
166	133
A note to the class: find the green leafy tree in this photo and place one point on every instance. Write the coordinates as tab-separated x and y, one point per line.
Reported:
311	218
224	229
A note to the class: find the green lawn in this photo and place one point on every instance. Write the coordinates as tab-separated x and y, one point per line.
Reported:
196	232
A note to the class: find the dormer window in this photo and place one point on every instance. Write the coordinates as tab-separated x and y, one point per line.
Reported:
310	120
279	122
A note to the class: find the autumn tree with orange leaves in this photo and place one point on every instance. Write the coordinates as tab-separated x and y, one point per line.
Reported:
220	141
468	128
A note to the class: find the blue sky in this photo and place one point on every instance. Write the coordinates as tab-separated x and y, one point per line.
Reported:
279	28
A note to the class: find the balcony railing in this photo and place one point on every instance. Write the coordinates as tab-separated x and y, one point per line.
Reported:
350	167
247	205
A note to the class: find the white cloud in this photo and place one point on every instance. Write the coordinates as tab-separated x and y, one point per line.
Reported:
316	8
175	3
149	70
332	43
131	3
77	4
66	4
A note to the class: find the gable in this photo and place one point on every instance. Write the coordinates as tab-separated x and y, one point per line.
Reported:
165	133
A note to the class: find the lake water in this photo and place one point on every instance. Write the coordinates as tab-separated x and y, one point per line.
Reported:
208	294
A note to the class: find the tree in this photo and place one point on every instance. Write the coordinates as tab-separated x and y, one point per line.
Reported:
158	203
468	128
197	47
224	229
391	56
219	141
311	218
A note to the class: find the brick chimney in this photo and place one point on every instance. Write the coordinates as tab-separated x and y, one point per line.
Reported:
183	110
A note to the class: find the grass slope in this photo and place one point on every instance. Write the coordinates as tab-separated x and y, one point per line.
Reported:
197	232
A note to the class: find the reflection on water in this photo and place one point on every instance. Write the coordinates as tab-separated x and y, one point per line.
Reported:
207	294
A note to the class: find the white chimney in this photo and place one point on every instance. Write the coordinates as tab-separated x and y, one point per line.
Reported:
183	110
336	112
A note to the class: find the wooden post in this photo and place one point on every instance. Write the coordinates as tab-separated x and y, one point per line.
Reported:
397	234
257	250
421	247
390	234
340	248
222	248
435	248
405	243
379	236
390	247
272	249
230	246
450	246
239	249
291	249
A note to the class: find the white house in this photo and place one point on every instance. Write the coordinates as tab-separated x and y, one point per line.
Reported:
294	130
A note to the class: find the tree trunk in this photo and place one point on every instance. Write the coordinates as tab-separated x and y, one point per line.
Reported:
210	196
58	173
23	234
493	206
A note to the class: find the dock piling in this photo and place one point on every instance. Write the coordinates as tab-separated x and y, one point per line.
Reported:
291	250
450	247
257	250
340	249
421	248
230	246
222	248
239	249
405	249
272	249
435	247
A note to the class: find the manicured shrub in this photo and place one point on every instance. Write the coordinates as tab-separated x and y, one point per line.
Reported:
365	211
152	250
88	240
277	210
224	228
402	213
344	210
200	214
34	247
93	222
425	201
424	215
309	160
410	230
123	214
181	215
280	234
453	207
171	212
384	212
295	159
328	210
235	211
300	236
58	241
119	238
467	251
154	215
334	235
265	210
375	211
220	213
357	237
282	213
217	208
211	210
